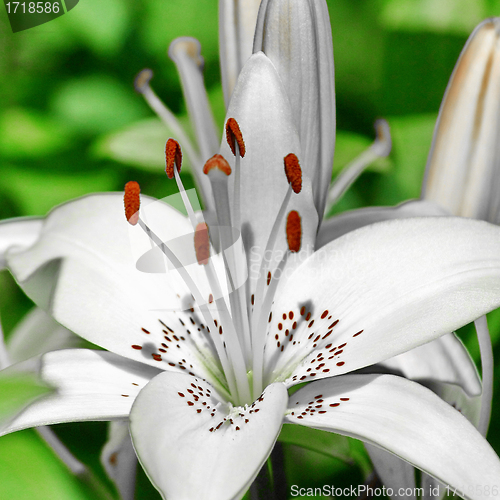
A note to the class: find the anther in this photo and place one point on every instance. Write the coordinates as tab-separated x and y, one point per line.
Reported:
202	244
293	231
132	202
218	162
234	136
173	157
141	82
293	172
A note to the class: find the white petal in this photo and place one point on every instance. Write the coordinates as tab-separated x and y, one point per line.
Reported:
345	222
194	445
392	286
82	270
91	385
18	233
38	333
296	35
236	31
462	169
262	110
394	472
406	419
119	459
443	360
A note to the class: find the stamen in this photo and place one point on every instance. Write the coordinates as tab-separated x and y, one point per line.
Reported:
173	157
487	364
218	170
202	244
293	172
141	82
263	320
293	231
294	176
132	202
217	162
380	148
142	85
228	367
234	137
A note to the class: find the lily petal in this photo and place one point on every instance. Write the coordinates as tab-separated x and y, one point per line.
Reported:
442	360
83	272
194	445
90	385
395	473
406	419
38	333
21	232
297	38
345	222
236	31
380	291
119	459
462	169
261	108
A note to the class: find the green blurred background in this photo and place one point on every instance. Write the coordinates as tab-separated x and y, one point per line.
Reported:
71	124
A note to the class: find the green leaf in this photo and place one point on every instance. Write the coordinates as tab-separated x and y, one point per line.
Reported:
326	443
37	192
411	139
18	390
27	134
164	21
29	470
97	103
141	144
445	16
101	25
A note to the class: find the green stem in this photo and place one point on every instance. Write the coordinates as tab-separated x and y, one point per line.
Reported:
279	475
270	483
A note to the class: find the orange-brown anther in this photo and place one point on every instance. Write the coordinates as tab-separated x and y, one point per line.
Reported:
202	244
293	231
293	172
132	202
173	157
234	136
218	162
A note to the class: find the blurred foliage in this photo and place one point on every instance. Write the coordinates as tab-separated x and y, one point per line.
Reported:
71	124
18	390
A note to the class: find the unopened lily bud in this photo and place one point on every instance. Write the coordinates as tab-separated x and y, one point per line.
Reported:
463	169
296	36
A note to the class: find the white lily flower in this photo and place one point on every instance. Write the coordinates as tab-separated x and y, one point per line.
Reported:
206	407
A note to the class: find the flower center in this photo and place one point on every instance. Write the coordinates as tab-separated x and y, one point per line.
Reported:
239	322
